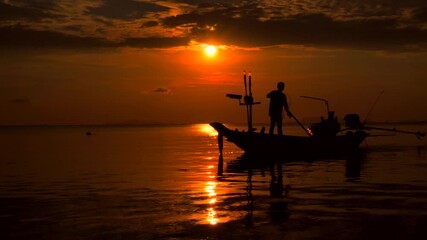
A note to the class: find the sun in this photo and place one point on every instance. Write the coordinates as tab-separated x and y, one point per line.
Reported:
210	50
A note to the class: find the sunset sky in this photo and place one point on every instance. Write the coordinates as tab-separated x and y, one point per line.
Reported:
144	61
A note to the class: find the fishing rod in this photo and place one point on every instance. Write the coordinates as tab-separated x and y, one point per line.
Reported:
373	105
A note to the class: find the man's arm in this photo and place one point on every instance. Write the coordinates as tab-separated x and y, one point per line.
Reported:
286	106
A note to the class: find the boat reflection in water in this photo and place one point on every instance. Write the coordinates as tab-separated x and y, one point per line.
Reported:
278	203
246	162
253	188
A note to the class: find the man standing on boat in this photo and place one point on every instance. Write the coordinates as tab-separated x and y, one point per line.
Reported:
277	103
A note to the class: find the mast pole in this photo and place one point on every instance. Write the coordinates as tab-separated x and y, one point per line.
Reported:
250	100
248	115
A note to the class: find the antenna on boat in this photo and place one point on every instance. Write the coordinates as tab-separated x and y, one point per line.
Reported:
244	80
250	84
372	107
248	100
250	106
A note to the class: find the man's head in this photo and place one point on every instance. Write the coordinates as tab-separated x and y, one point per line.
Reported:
280	86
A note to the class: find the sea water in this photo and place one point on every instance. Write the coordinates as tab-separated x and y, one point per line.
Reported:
161	182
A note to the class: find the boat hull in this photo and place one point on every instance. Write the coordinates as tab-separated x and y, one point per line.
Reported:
285	145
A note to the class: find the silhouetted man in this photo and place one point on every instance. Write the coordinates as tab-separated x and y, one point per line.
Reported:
277	103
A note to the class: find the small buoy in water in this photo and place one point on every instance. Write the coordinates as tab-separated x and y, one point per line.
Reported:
88	133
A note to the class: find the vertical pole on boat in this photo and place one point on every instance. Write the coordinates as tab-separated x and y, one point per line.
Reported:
246	100
244	81
250	104
220	158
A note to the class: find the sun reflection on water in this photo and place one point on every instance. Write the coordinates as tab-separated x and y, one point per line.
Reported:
206	129
210	189
212	219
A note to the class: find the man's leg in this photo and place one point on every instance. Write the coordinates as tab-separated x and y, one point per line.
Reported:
272	123
279	126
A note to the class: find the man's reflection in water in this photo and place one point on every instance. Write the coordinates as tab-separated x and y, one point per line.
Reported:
276	184
278	210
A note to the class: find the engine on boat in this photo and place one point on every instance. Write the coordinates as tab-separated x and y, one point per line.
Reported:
326	128
352	121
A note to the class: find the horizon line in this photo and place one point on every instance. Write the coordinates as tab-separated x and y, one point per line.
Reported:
184	124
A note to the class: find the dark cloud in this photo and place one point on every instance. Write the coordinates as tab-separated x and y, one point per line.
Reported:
221	16
21	101
161	91
150	24
312	29
206	3
10	12
19	37
420	14
125	9
37	4
75	28
360	24
155	42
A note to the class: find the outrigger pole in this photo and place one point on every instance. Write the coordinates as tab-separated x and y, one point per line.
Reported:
417	134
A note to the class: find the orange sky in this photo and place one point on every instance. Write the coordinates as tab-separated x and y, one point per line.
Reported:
108	62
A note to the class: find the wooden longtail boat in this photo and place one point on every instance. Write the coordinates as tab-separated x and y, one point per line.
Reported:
322	138
257	143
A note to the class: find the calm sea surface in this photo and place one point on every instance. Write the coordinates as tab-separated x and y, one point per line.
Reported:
162	183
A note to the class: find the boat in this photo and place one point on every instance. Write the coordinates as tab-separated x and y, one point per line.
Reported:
323	138
262	144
